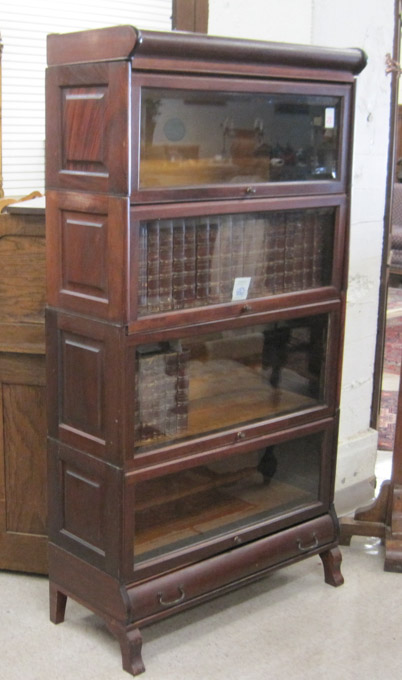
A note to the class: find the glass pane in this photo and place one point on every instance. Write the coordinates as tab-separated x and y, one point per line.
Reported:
193	262
192	138
197	385
181	509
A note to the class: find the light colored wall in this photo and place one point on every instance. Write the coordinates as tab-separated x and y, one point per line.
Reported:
24	26
368	24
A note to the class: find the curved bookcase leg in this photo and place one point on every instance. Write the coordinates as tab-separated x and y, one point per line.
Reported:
130	641
57	603
331	560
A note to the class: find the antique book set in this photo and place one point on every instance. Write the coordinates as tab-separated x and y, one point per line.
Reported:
198	195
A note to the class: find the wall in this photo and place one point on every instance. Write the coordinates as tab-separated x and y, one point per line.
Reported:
24	26
368	24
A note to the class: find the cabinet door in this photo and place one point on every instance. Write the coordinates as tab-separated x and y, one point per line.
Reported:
187	260
217	137
230	497
220	384
23	511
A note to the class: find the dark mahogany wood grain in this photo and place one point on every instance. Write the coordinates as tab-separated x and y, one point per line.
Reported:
116	42
96	320
128	42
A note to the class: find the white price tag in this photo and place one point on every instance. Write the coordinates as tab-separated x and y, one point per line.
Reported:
329	118
240	288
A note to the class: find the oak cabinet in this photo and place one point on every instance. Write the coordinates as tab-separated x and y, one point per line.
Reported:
23	507
197	235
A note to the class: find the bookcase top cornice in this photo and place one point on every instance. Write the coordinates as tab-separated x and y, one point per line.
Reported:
146	48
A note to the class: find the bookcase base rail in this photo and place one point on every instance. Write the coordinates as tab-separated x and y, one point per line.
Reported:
127	607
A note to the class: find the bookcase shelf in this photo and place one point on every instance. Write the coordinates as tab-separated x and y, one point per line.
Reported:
197	234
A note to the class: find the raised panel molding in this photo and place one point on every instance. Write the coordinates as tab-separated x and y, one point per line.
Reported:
84	238
82	378
83	114
91	123
88	234
82	496
87	489
85	385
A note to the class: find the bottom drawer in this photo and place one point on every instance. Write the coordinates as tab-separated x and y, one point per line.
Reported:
184	587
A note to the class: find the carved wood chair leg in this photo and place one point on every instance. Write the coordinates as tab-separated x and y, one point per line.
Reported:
57	602
130	640
331	560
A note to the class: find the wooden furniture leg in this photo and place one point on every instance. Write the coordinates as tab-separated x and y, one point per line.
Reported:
130	641
331	560
57	601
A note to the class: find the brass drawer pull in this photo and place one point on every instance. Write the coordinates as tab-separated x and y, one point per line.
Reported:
305	548
172	602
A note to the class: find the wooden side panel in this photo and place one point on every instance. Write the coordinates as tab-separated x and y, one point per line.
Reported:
83	111
23	508
86	240
87	127
84	506
83	384
86	385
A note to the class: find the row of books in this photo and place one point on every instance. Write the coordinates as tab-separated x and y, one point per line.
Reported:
190	262
162	383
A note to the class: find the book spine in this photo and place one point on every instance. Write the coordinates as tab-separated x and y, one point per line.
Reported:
189	264
178	263
308	248
165	265
153	267
227	258
142	269
318	252
203	262
276	259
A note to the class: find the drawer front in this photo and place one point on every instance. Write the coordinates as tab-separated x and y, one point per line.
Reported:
184	587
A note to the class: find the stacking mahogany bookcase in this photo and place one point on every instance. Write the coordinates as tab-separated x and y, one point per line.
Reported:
197	233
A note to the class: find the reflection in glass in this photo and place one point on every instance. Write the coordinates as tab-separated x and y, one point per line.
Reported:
197	385
198	138
187	507
193	262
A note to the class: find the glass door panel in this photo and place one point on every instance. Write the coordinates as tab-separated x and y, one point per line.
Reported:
191	138
198	261
197	385
176	511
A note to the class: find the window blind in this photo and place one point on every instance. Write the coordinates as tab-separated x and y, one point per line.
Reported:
24	26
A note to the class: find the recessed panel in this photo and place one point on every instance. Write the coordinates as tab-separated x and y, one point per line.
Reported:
84	246
82	507
83	384
83	119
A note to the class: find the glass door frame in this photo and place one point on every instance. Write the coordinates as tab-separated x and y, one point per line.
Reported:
239	86
212	546
230	309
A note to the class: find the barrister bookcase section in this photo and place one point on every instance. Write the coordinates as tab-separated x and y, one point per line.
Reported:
198	193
